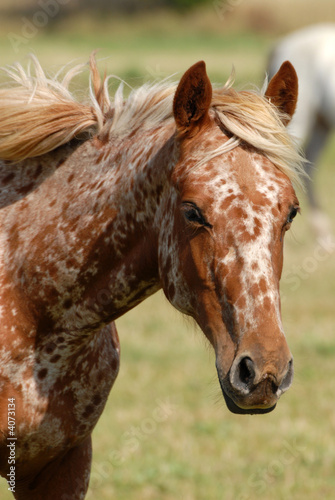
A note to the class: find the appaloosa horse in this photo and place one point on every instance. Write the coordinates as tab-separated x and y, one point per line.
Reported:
185	189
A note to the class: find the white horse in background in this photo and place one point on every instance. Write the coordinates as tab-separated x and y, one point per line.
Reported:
312	52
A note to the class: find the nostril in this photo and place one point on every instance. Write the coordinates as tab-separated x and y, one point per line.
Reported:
274	387
243	375
287	380
246	370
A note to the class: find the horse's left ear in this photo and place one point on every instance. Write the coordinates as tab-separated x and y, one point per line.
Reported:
282	90
192	98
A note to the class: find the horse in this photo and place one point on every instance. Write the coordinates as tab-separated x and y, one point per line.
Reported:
184	188
311	50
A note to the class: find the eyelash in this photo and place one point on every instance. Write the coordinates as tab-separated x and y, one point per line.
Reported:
289	220
293	213
194	215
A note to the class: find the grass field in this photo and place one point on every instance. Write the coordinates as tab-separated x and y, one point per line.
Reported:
166	433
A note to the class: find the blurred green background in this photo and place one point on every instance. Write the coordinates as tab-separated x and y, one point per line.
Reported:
166	433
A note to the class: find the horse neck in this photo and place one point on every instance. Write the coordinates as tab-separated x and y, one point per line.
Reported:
91	254
142	167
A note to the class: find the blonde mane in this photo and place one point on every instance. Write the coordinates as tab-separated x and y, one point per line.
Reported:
39	114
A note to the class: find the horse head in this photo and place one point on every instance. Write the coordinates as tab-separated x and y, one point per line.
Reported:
222	232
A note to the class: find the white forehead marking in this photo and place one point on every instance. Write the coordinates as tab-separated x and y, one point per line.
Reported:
252	232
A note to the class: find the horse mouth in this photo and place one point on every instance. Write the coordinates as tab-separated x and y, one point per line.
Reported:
234	408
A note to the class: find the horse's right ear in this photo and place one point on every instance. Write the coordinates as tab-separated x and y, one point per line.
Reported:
282	90
192	98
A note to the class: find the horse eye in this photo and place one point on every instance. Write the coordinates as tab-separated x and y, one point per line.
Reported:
193	214
292	214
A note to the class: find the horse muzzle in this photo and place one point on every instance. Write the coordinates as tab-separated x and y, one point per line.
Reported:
251	388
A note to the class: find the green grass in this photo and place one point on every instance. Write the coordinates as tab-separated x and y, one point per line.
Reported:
137	49
166	433
151	57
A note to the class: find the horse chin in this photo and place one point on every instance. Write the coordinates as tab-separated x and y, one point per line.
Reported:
234	408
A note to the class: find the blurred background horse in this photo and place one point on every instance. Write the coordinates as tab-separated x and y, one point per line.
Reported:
312	51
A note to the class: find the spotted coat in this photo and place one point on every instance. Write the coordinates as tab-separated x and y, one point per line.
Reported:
91	229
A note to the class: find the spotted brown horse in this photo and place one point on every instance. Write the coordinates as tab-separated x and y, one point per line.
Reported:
184	188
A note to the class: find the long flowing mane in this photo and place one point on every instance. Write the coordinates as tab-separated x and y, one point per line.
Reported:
39	114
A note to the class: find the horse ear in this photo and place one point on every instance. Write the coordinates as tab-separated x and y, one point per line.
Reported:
283	90
192	98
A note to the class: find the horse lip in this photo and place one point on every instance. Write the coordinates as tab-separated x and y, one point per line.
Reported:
234	408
